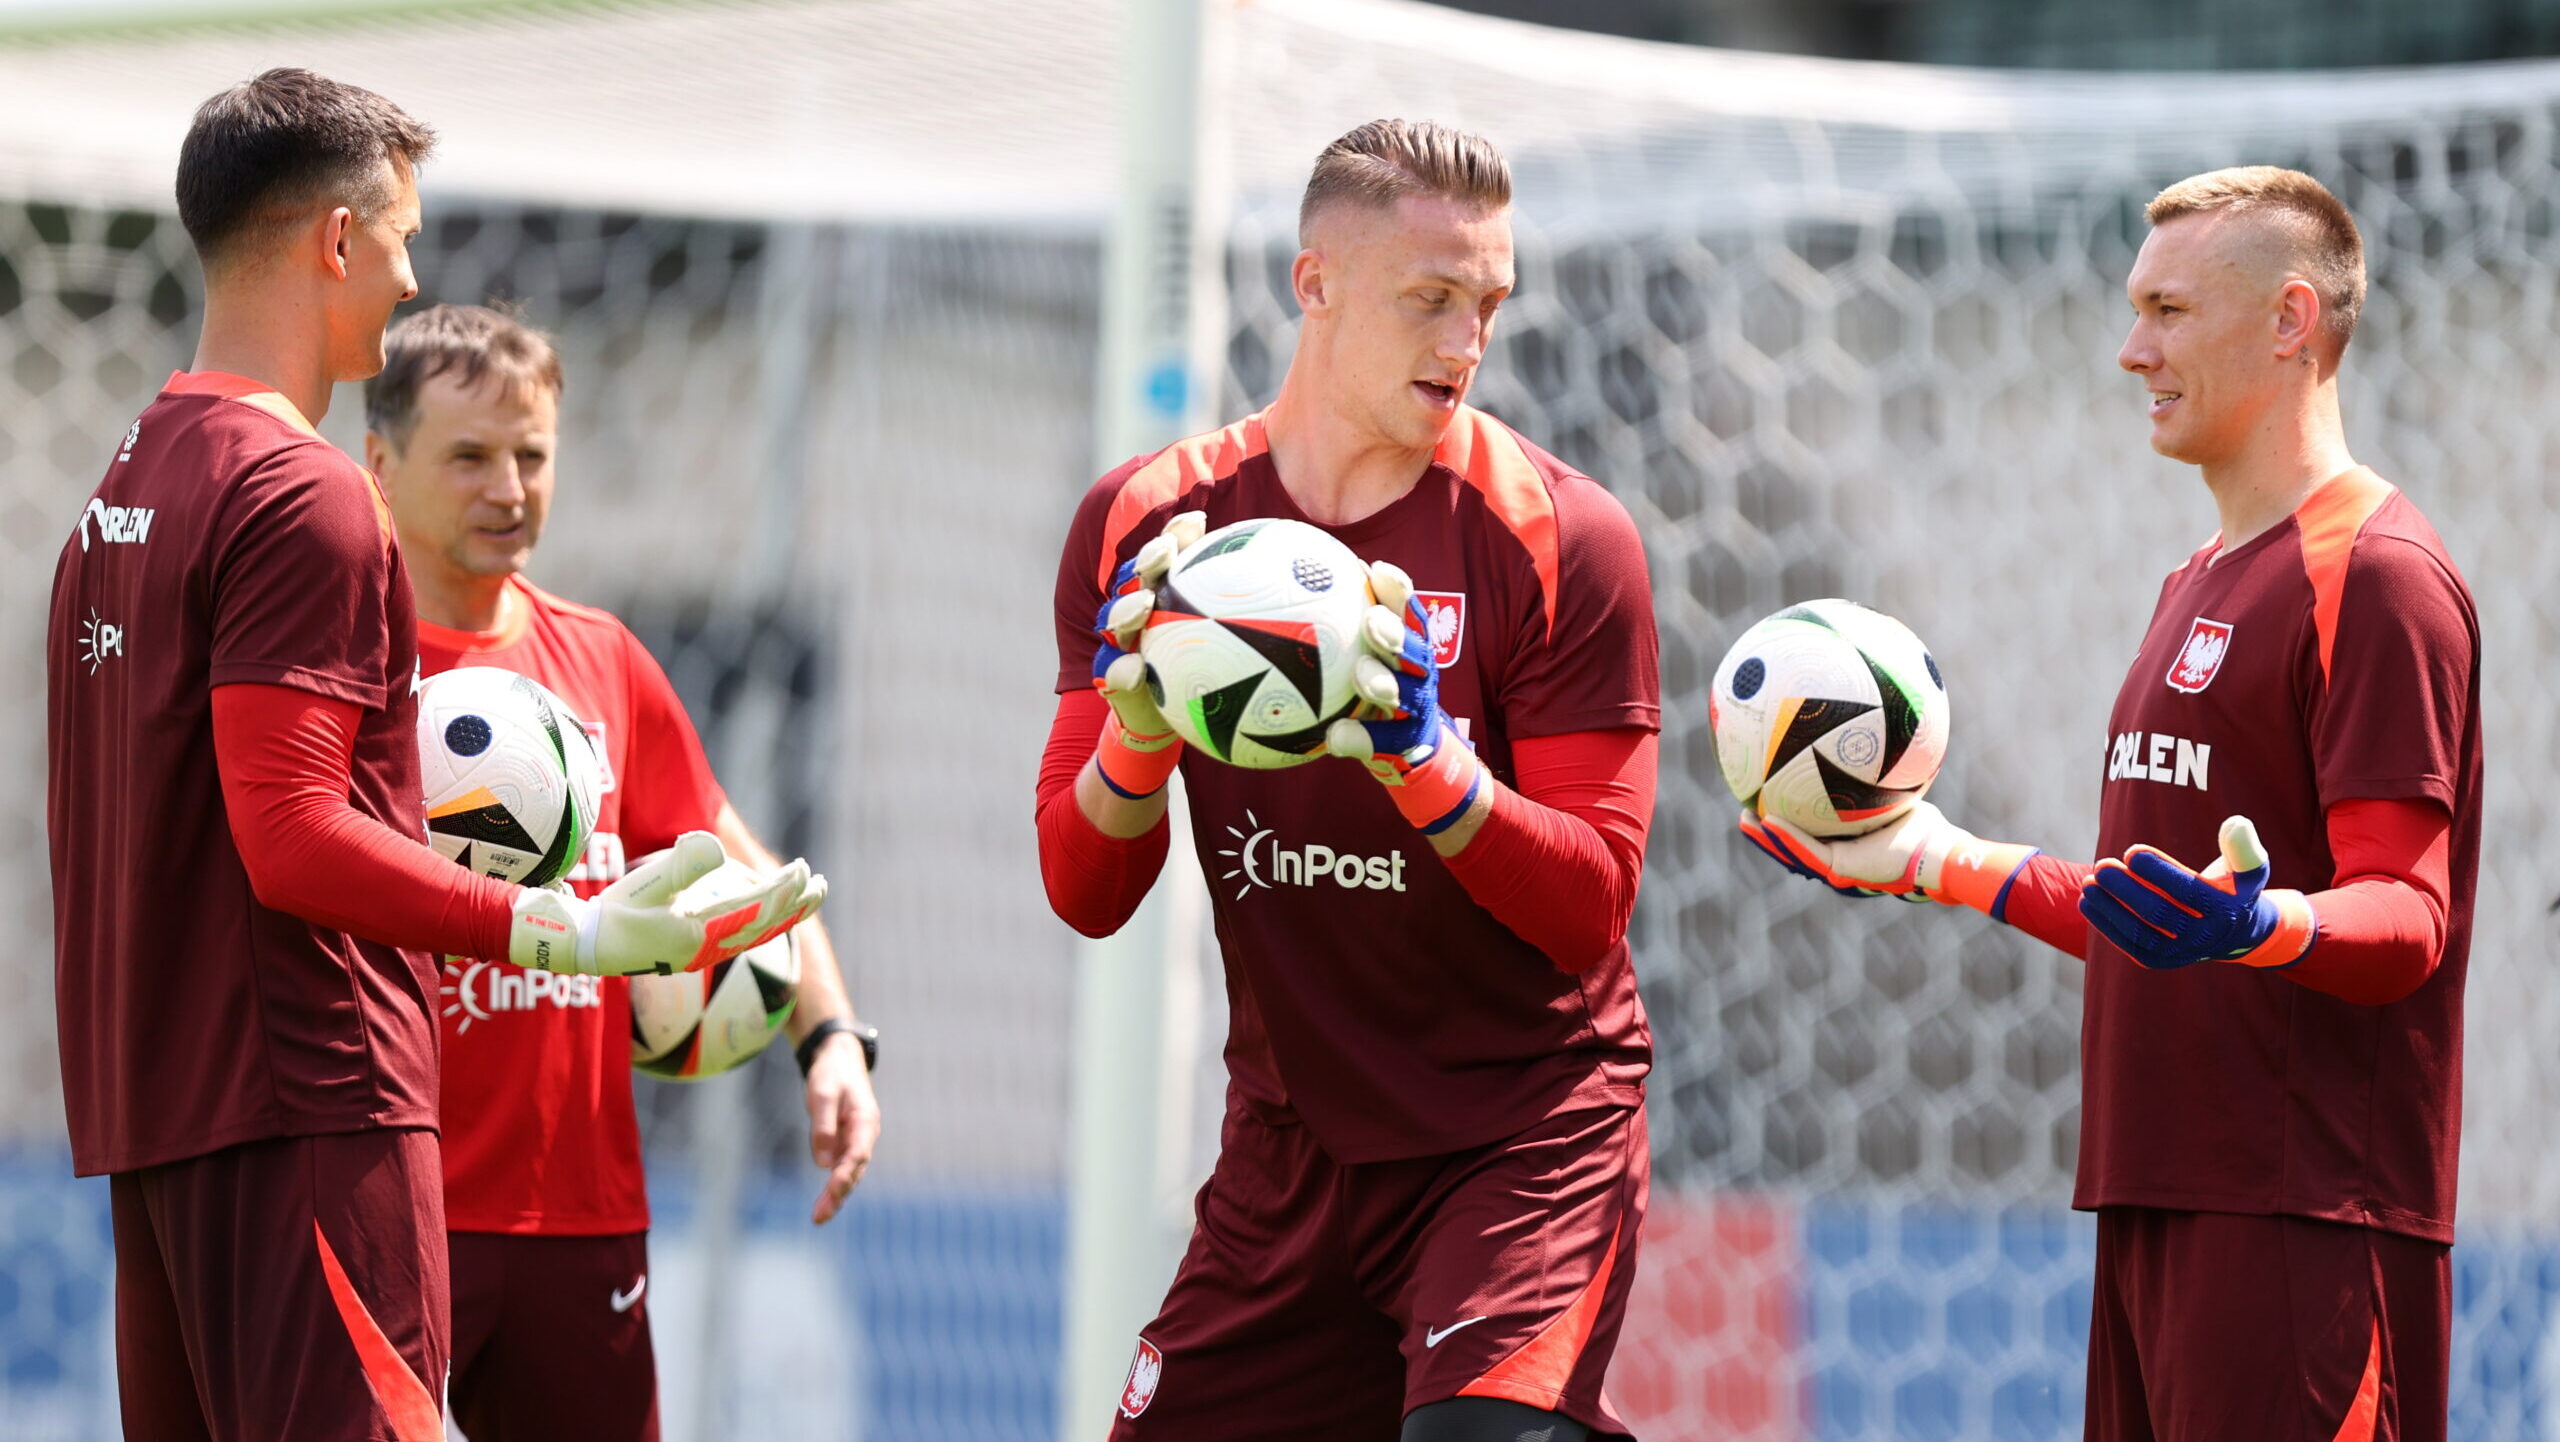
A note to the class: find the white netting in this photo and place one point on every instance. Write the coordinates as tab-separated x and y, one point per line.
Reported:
826	281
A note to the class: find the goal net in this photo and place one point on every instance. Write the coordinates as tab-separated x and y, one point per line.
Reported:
826	280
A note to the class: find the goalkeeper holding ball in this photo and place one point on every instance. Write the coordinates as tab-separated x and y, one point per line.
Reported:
1431	1180
2271	1078
245	909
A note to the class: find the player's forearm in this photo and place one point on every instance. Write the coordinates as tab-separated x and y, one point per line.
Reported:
1095	879
2378	939
1122	818
1558	860
1095	882
2042	899
2381	929
284	756
1551	877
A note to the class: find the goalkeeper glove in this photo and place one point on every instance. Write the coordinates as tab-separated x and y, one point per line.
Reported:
644	923
1918	856
1399	731
2165	916
1138	750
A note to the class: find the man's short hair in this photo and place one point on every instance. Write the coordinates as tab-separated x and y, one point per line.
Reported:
265	151
2324	243
471	343
1386	160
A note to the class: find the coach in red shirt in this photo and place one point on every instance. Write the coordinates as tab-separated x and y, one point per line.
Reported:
243	897
544	1196
2271	1081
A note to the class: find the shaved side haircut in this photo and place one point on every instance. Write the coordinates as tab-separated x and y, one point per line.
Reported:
2321	240
262	154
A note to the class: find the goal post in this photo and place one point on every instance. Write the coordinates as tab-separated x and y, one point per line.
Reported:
1138	992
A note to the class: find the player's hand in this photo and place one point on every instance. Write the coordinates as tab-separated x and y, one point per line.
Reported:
1918	856
844	1121
1883	862
2165	916
639	924
1398	730
1137	756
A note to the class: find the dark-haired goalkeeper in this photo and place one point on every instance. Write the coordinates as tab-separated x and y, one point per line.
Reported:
245	908
1430	1186
2271	1079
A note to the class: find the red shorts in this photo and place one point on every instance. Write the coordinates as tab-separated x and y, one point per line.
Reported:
2210	1326
551	1338
1323	1300
284	1290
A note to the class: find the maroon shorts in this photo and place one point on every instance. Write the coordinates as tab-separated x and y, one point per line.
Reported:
1324	1300
2208	1325
551	1338
284	1290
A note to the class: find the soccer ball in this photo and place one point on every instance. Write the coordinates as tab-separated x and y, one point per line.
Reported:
701	1023
1249	651
1830	716
512	778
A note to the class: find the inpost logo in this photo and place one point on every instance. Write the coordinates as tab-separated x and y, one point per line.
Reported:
1262	863
481	990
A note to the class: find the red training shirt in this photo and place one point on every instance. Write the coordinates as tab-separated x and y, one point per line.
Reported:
227	544
2334	658
1369	995
539	1134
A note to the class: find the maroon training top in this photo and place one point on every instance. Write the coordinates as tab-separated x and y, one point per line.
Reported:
1368	994
2333	658
227	544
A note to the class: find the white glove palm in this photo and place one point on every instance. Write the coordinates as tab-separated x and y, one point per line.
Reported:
1918	856
1118	673
642	923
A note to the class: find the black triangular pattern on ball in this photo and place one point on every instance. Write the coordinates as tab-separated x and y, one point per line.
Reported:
775	991
1296	661
491	825
1901	718
1816	718
1303	742
556	859
1171	602
1222	711
1848	793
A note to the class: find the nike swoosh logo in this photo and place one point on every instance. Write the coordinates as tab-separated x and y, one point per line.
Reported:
1434	1336
622	1301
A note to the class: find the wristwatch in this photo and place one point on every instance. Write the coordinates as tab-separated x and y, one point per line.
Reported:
869	1036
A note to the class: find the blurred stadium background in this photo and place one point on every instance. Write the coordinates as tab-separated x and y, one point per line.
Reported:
830	279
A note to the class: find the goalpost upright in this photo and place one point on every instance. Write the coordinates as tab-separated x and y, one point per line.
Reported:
1138	993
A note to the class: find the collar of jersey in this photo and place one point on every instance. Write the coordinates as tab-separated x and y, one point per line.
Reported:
239	388
515	617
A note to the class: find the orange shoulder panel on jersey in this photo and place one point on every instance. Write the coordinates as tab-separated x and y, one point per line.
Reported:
1171	474
1485	453
2330	522
251	393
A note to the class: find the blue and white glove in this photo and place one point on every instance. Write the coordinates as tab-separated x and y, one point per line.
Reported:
2165	916
1399	731
1138	749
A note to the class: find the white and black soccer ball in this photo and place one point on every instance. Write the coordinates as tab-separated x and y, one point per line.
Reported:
512	779
1830	716
699	1024
1250	647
